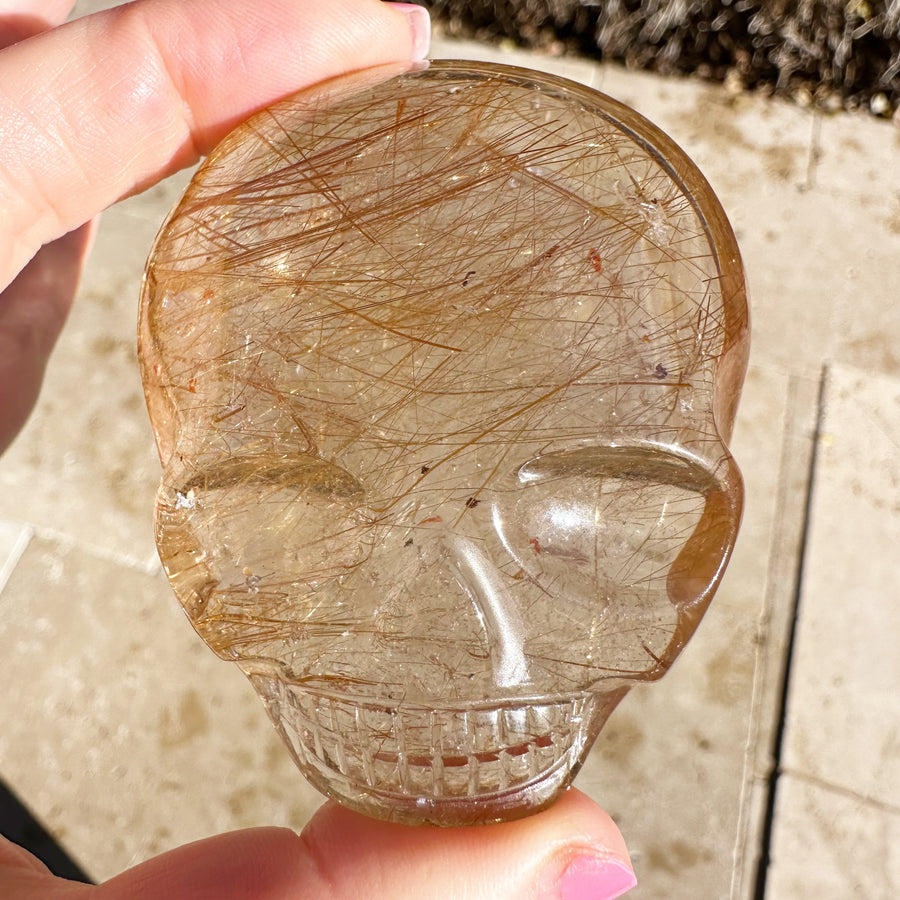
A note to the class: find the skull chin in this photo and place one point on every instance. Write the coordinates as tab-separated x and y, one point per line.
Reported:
412	763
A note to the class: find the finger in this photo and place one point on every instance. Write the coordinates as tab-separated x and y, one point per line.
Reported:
110	103
570	851
51	11
33	310
14	857
29	324
261	863
24	877
20	19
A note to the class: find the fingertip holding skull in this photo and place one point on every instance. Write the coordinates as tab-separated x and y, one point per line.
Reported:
442	367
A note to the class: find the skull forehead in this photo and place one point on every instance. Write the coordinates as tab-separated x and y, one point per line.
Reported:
457	250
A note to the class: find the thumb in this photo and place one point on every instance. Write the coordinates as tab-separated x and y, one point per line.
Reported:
572	851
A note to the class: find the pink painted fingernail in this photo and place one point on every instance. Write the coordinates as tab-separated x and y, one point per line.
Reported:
419	25
592	878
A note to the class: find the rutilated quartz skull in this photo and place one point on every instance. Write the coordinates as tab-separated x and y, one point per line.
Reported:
442	367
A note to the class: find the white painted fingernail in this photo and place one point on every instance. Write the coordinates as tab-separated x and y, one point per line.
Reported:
419	25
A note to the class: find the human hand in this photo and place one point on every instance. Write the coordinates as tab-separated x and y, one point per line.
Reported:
109	104
572	851
102	108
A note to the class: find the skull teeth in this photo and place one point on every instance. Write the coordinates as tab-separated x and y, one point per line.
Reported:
413	752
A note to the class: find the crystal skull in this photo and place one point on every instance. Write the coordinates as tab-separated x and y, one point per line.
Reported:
442	366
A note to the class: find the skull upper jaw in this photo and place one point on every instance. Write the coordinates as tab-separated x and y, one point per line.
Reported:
462	764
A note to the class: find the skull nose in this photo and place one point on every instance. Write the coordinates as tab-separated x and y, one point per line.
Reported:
496	609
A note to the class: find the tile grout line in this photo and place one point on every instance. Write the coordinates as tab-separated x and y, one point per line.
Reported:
840	791
765	857
785	532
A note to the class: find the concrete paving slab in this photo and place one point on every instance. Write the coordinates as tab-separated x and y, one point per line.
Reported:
833	845
843	724
125	734
785	538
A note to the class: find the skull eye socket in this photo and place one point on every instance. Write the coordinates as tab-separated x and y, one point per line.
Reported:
246	543
592	536
620	534
606	523
599	530
620	511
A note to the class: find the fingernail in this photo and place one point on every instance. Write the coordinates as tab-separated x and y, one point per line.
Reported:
419	25
592	878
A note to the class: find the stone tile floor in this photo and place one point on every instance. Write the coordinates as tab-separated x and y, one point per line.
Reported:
128	737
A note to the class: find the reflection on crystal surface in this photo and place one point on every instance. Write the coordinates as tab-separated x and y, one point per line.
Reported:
441	368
